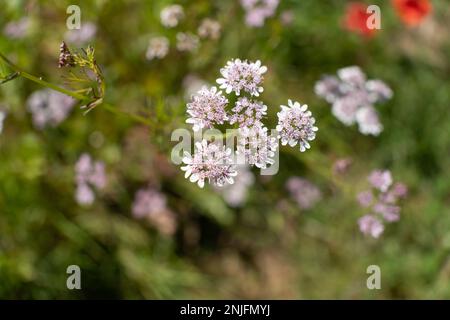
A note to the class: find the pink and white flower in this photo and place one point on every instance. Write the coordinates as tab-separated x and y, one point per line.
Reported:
244	76
296	125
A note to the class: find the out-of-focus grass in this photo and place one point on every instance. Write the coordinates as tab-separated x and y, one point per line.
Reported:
268	248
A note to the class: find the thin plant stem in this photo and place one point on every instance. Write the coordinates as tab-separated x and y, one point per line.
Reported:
72	94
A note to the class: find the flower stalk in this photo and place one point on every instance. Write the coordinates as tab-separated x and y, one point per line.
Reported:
85	100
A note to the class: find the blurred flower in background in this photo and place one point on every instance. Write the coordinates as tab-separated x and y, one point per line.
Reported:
370	225
192	83
89	175
83	35
257	11
412	12
17	29
352	97
341	166
355	19
304	192
187	41
49	107
287	17
171	15
151	204
236	194
209	28
382	202
158	47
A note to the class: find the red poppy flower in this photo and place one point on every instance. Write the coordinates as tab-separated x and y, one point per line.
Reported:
356	17
412	12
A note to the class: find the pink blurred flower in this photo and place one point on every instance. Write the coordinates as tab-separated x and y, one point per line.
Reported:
341	166
152	205
305	193
370	225
365	198
17	29
89	175
257	11
83	35
382	201
49	107
380	179
352	97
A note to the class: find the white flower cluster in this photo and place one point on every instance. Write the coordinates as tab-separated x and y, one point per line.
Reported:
256	146
352	97
171	17
242	76
211	162
296	125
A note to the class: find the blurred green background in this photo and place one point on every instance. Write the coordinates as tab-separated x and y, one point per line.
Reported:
268	247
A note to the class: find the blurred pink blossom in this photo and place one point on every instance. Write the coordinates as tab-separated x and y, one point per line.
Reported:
257	11
89	175
370	225
152	205
305	193
49	107
382	201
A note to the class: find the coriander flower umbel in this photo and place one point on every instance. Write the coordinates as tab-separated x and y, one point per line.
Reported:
207	108
381	179
368	121
49	107
89	174
257	11
209	29
242	76
171	15
85	34
247	112
152	205
17	29
257	146
304	192
158	47
187	41
352	97
296	125
211	162
381	201
370	225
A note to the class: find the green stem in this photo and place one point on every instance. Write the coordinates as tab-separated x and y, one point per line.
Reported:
119	112
72	94
42	82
